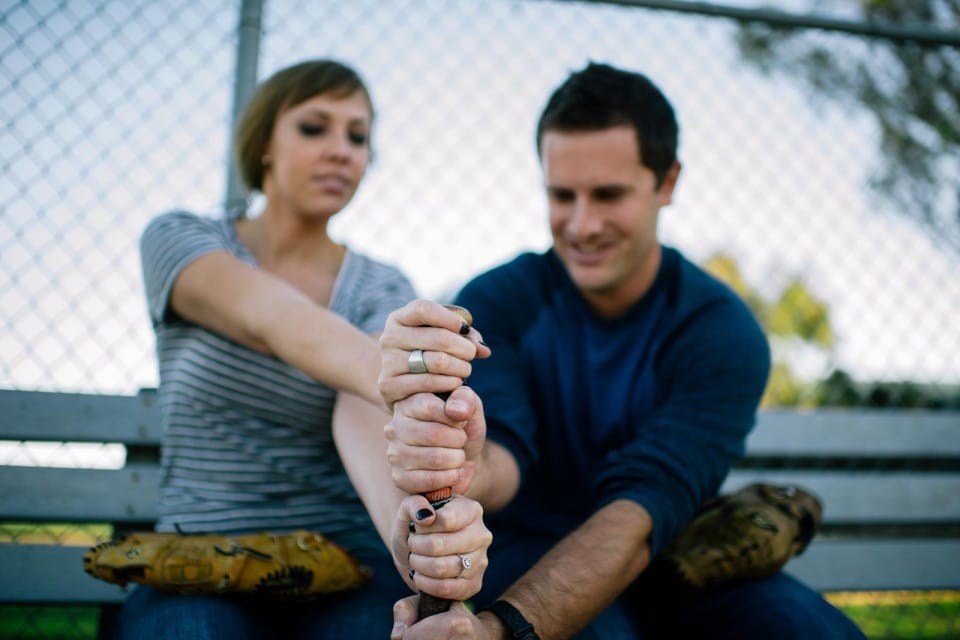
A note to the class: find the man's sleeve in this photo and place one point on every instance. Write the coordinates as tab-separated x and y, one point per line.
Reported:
712	376
502	312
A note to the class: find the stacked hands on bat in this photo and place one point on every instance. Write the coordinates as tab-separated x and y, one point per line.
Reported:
433	444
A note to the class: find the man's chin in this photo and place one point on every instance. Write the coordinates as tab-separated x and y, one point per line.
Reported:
592	279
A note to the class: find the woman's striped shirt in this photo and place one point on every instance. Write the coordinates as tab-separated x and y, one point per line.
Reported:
247	440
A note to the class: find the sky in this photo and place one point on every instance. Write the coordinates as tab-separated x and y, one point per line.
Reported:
116	111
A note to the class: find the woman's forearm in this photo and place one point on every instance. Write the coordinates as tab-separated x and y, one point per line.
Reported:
358	434
265	313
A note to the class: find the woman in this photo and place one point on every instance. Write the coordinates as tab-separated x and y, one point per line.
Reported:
260	322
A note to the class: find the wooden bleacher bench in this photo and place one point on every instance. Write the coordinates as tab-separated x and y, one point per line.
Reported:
890	482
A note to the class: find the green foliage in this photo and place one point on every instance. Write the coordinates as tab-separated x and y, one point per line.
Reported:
797	313
910	92
840	390
797	316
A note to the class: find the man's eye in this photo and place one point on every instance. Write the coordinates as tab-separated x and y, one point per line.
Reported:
359	139
608	195
561	196
312	129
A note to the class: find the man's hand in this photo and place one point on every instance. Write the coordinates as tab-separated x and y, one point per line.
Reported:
433	444
442	552
456	623
448	347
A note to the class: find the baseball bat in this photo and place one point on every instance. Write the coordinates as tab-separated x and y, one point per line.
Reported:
429	604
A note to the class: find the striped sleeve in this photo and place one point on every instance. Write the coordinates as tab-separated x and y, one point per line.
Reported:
169	243
369	291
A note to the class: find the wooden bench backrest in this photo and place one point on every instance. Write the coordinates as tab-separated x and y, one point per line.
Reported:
890	482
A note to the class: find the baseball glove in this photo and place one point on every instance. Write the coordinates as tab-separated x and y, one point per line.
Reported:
294	565
745	535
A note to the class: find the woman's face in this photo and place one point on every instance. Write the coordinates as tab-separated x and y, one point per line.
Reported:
318	154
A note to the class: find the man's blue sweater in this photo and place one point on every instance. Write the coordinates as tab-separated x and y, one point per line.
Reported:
653	406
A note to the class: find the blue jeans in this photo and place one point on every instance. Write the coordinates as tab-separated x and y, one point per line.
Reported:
777	607
367	612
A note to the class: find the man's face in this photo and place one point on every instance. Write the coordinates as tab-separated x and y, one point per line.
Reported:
604	207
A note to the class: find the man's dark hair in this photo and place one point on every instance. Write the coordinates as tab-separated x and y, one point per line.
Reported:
600	96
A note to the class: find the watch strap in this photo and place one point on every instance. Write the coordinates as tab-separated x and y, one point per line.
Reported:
518	626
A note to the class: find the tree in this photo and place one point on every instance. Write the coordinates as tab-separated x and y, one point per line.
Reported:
910	90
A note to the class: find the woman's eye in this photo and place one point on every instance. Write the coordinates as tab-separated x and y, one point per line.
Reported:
357	138
312	129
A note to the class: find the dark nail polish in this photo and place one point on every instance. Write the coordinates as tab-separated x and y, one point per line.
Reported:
423	514
464	328
413	528
411	574
482	342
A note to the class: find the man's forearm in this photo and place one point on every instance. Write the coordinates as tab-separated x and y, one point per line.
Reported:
496	478
584	572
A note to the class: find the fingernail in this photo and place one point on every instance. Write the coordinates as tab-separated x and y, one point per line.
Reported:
464	328
413	527
423	514
482	342
411	573
397	631
457	405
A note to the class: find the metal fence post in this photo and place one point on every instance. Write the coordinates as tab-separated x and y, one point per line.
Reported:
244	80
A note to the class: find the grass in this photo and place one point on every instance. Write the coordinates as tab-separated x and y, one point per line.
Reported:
48	623
903	615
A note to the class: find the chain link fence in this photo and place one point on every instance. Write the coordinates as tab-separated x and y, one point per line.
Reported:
112	111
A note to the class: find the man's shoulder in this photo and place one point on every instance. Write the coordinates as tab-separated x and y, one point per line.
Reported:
522	271
701	299
511	291
696	286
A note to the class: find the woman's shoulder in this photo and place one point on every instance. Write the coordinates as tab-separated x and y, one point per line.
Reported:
361	266
182	220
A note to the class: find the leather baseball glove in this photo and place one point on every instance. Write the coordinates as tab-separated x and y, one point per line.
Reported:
292	565
745	535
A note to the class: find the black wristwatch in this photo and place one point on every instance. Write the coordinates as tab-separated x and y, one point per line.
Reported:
519	627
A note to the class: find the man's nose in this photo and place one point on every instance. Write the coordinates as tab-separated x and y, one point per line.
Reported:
585	219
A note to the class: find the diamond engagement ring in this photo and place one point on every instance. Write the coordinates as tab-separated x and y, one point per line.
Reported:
465	563
415	362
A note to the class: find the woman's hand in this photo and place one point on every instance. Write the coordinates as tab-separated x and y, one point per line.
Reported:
448	346
432	443
441	551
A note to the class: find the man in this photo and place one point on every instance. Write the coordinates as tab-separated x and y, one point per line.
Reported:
623	383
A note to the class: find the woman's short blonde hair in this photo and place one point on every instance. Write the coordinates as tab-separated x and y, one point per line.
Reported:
285	89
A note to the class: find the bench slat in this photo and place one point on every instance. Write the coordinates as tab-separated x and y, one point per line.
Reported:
51	574
870	497
856	433
80	495
80	417
837	565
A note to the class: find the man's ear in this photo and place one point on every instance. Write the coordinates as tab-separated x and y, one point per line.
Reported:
669	183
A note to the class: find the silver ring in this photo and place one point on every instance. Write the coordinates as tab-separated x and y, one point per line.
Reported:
415	362
465	563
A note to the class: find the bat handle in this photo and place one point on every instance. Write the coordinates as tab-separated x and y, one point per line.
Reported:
429	604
